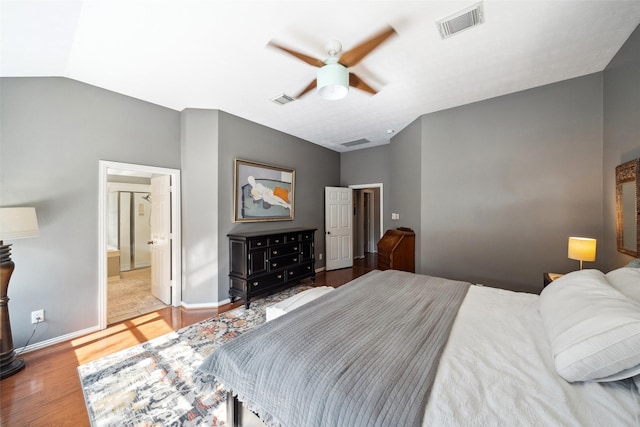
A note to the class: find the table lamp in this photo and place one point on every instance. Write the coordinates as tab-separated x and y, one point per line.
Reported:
15	223
582	249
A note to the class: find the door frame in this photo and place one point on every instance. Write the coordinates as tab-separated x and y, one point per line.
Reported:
376	185
176	238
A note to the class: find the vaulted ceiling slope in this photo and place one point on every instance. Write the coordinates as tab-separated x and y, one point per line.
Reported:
214	54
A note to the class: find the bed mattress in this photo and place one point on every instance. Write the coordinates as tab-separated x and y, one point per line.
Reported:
497	369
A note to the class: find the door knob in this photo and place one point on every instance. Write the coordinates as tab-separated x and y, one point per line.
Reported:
150	242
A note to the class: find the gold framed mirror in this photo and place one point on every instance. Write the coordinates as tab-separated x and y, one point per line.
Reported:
627	207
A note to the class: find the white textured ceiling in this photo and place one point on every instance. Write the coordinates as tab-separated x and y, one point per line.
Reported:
213	54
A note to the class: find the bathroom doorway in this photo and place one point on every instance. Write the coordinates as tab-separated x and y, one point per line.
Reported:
139	240
129	248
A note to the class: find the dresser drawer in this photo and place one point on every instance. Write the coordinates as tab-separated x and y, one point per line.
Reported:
258	243
258	283
293	248
300	271
284	261
277	239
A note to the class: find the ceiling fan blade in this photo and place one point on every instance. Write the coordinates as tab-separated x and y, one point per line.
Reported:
355	55
306	58
358	83
309	88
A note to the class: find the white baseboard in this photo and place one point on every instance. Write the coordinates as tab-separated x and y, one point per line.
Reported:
318	270
189	306
57	340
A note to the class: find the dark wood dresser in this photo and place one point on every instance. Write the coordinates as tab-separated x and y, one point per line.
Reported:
261	263
396	250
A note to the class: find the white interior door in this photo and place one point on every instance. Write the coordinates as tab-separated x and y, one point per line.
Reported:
161	238
338	227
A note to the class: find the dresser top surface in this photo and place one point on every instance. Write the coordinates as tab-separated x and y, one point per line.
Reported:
271	232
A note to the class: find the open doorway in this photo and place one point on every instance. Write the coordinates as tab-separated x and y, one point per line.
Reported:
368	214
129	243
139	240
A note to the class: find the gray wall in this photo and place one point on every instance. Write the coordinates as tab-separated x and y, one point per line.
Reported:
495	188
199	136
316	167
53	133
405	197
506	181
369	166
621	133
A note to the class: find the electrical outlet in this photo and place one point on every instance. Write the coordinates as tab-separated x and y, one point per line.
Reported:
37	316
319	256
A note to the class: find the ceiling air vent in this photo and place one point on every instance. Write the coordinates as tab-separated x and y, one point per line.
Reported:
465	19
283	99
356	142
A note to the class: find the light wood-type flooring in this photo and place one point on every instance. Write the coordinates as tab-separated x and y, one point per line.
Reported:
48	392
129	295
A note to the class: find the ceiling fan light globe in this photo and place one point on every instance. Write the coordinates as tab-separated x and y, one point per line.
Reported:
333	81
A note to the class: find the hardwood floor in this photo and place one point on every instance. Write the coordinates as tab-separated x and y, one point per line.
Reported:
48	392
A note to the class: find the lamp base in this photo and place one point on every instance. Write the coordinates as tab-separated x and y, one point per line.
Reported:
13	367
9	365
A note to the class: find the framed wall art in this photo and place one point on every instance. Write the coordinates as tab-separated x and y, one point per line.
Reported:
263	192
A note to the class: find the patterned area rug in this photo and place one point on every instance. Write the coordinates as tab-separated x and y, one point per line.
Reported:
151	385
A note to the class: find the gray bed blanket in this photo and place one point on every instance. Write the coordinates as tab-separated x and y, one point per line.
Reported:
364	355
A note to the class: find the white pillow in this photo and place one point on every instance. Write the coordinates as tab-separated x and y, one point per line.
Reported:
593	329
627	281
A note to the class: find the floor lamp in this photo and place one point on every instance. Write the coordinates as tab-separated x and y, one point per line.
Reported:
15	223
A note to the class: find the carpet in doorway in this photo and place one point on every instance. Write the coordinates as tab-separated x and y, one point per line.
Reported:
150	384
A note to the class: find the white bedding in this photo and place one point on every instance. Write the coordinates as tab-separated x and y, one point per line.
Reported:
501	373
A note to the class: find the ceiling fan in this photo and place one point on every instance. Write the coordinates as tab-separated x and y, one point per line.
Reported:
333	78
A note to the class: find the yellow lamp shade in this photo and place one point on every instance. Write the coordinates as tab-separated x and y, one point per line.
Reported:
582	249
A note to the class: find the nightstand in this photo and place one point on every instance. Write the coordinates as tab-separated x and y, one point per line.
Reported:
550	277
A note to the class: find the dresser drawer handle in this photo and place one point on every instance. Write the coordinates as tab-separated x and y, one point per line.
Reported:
277	240
291	273
275	264
295	248
295	260
308	267
255	283
275	252
279	276
259	244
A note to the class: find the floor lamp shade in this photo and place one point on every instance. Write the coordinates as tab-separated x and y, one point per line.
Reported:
18	223
582	249
15	223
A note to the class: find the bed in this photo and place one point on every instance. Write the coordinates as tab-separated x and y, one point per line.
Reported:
475	356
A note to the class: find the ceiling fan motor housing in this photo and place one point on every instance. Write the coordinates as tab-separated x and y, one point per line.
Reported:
333	80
